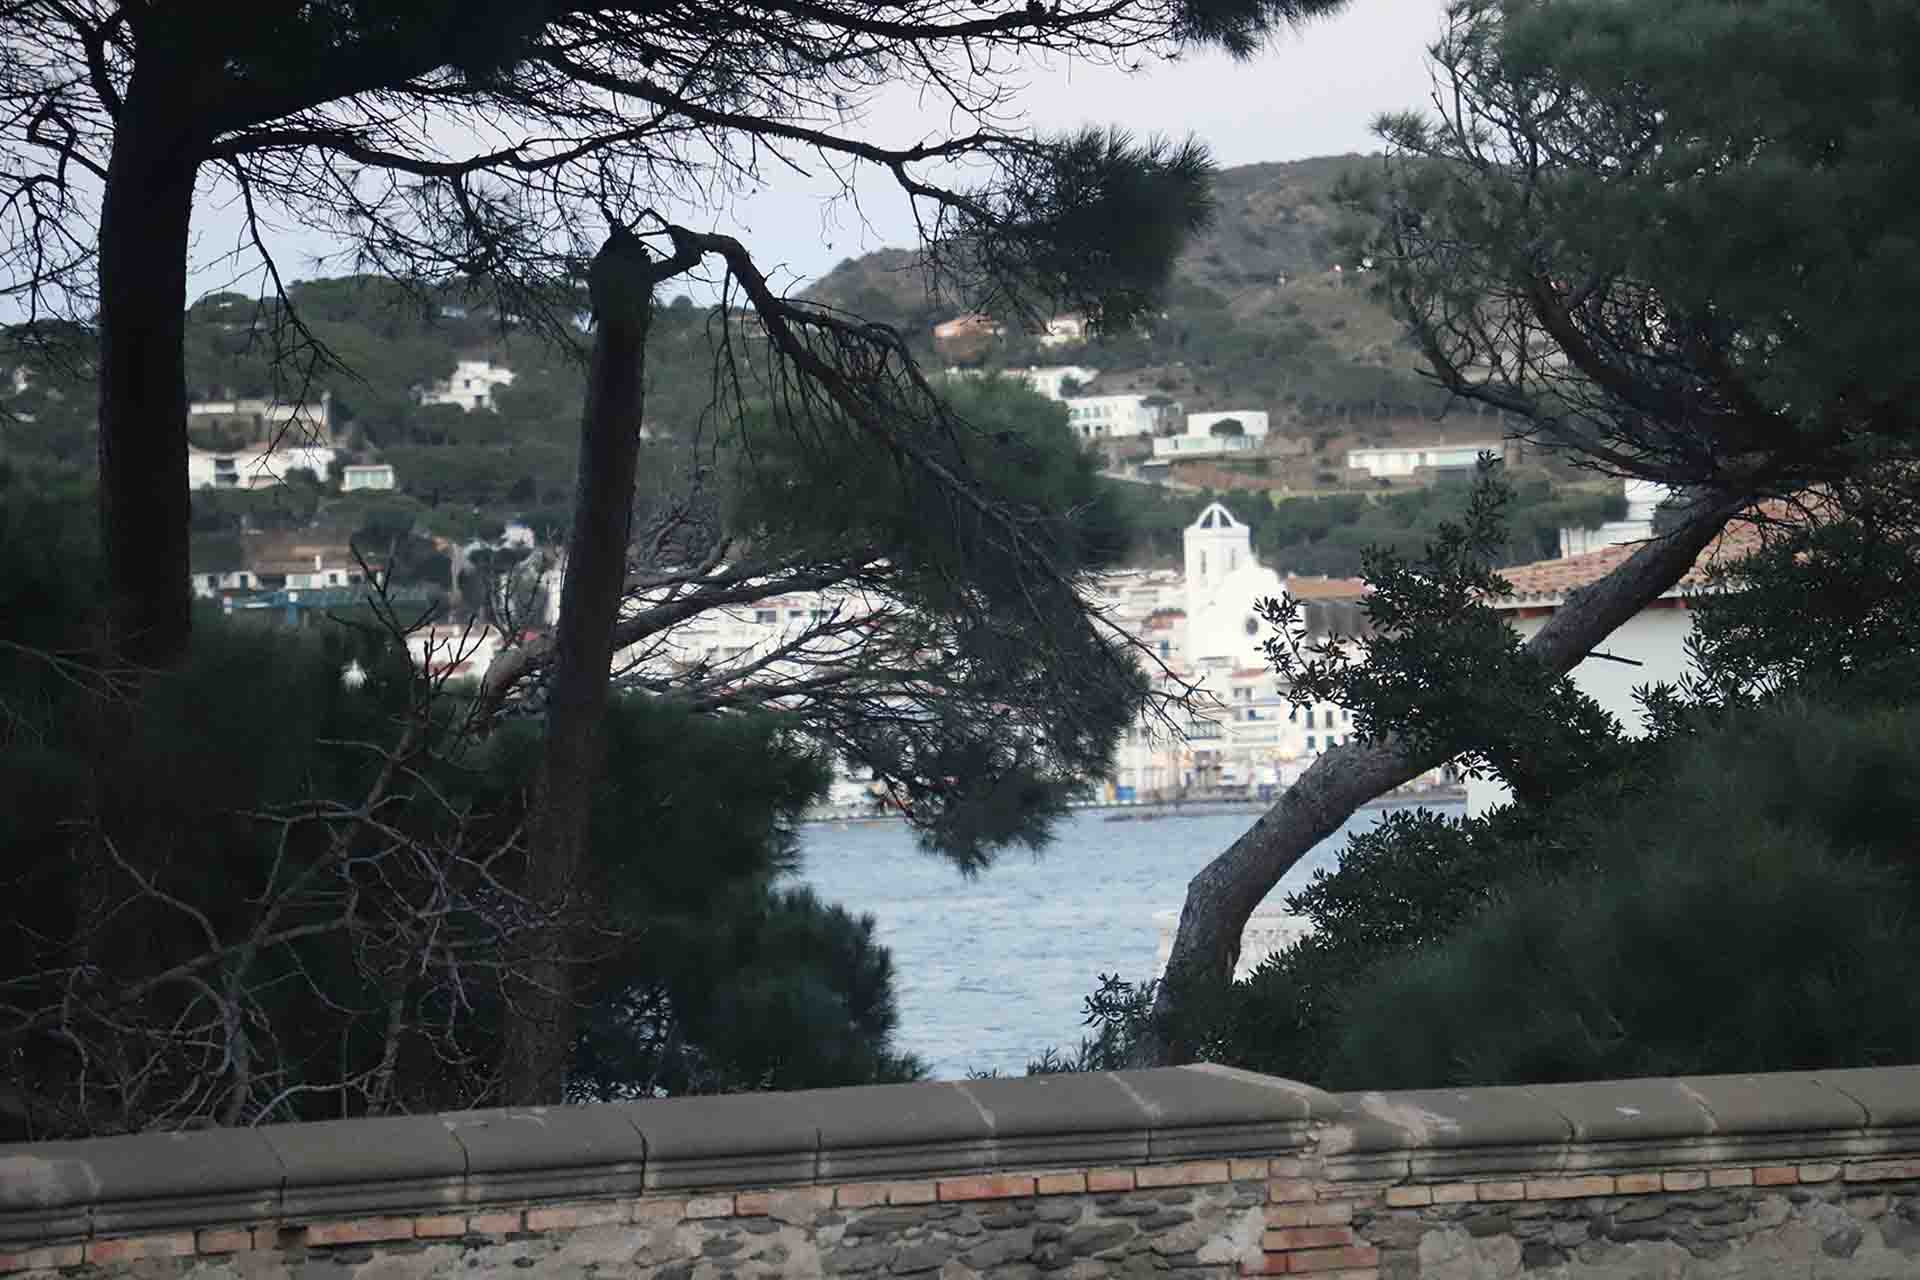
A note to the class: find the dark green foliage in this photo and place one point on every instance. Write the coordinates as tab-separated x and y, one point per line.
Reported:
1744	173
1092	221
1785	940
197	783
1441	669
1430	921
1830	609
764	990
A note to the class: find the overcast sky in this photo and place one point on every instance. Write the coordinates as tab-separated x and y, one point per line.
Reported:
1314	93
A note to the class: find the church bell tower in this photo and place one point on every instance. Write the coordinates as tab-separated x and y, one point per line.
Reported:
1216	545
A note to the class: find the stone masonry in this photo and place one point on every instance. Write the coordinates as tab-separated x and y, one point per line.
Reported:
1186	1172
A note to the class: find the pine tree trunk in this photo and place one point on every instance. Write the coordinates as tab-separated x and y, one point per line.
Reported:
540	1016
144	507
1222	897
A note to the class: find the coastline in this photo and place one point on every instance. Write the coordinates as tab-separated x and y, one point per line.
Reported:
1139	811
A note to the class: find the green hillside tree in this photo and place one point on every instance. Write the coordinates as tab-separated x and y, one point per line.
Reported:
1665	242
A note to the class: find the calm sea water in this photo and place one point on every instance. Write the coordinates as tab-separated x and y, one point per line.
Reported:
991	971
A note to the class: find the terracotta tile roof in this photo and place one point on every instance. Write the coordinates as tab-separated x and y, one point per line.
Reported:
1548	581
1327	588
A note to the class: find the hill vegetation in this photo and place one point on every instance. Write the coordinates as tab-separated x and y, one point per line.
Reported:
1270	310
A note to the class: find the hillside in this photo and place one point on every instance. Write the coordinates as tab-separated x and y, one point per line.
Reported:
1257	316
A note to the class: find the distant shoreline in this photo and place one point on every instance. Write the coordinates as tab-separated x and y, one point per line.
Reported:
1145	812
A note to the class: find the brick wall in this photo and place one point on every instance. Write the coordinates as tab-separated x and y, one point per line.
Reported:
1190	1172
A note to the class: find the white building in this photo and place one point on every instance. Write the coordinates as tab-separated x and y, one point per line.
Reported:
265	419
1242	733
1253	422
257	468
371	475
471	386
1111	417
1200	441
1643	500
1397	461
277	563
1047	380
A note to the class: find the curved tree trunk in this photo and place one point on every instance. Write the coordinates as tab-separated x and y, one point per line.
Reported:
1222	897
539	1030
144	507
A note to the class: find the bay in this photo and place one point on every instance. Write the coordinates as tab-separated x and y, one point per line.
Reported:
992	970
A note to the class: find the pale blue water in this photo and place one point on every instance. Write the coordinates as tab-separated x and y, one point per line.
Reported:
991	971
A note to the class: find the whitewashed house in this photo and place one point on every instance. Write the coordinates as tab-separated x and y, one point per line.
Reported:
256	468
263	419
1200	441
366	476
471	386
1394	462
1111	417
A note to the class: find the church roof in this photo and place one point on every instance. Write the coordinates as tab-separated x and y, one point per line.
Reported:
1215	516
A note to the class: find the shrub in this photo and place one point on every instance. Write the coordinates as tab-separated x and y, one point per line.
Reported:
1749	910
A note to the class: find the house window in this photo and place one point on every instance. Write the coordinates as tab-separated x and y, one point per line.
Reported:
1309	718
333	579
213	581
766	616
479	402
1166	648
1310	743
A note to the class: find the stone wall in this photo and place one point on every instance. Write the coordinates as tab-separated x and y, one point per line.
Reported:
1186	1172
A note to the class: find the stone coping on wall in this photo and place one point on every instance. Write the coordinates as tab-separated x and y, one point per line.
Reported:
428	1163
1623	1125
906	1144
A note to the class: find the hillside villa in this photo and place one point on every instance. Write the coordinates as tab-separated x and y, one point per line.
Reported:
471	385
1210	435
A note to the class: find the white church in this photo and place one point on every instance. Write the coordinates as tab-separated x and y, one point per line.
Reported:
1241	734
